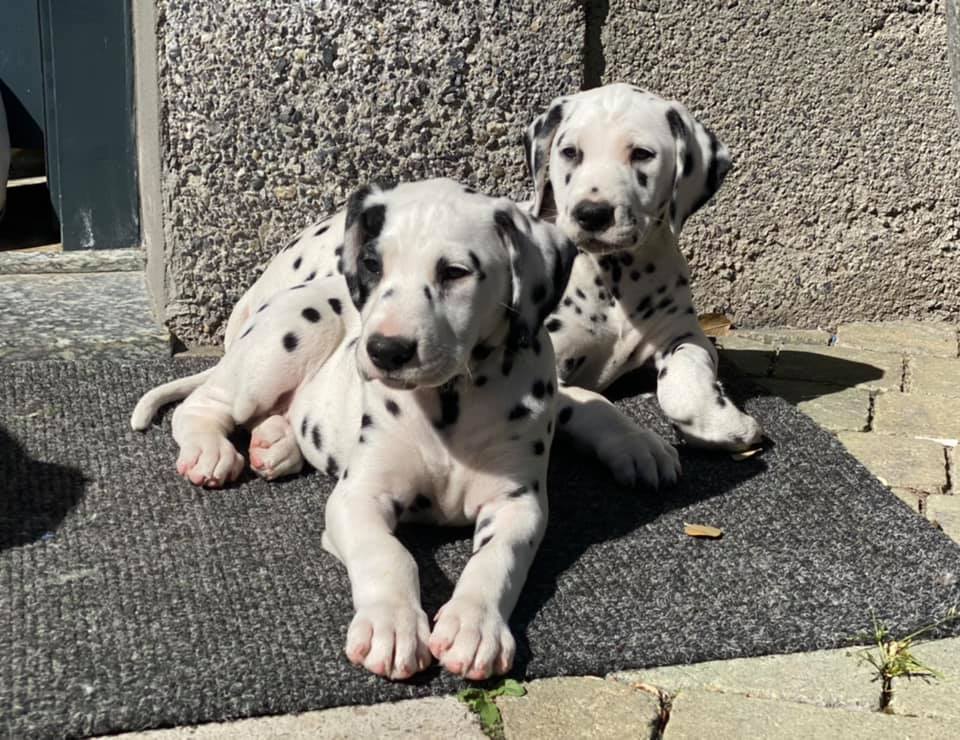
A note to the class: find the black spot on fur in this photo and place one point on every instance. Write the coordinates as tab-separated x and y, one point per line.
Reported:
663	373
484	523
518	412
598	282
517	492
641	179
332	467
662	289
539	389
565	413
249	329
566	179
311	314
539	293
644	304
290	341
480	380
449	407
315	436
365	421
321	230
481	352
421	503
297	262
649	268
484	541
550	388
553	325
311	276
397	508
335	305
681	281
372	220
392	407
634	275
536	486
263	307
303	426
665	302
539	447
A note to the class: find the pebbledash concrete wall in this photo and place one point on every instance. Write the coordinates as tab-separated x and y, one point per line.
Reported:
844	202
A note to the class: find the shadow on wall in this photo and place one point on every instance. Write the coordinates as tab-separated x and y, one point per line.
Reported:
35	496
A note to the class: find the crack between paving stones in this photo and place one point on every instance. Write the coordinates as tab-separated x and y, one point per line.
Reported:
948	469
594	63
871	409
905	375
665	703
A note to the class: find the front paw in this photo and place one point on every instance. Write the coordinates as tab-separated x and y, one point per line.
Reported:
209	460
472	640
274	452
640	457
722	428
389	639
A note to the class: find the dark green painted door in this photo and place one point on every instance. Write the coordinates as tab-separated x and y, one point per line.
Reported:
69	83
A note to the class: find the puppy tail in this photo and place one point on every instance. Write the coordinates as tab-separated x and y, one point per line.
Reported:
153	400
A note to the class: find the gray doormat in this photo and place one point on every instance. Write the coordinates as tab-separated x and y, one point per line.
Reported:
132	600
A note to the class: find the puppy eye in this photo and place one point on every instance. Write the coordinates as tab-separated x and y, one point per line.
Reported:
641	154
569	152
371	263
449	273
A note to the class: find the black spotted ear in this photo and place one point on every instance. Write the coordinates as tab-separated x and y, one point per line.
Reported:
702	162
541	258
359	258
537	141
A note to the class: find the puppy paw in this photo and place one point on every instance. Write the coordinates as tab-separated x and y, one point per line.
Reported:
721	427
640	458
389	639
274	452
472	640
209	461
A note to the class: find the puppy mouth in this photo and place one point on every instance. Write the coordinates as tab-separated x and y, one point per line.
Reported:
430	376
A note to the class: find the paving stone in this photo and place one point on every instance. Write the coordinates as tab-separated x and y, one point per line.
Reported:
910	337
785	335
946	511
840	366
919	416
900	461
934	376
830	678
703	714
433	717
937	698
916	500
579	708
747	356
832	407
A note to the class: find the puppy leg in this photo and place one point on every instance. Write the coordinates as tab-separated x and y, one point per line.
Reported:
691	397
201	425
634	456
274	452
389	632
471	637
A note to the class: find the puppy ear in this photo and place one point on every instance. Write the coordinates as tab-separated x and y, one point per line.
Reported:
702	162
366	213
541	258
537	141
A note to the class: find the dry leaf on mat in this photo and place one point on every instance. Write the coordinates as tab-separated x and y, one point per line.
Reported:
746	454
702	530
715	324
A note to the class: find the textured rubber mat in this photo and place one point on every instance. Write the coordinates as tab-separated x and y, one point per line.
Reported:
130	600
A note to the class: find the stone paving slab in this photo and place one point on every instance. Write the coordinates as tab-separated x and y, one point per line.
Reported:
938	339
937	698
945	510
696	715
917	416
749	357
829	678
834	408
430	718
898	461
781	336
916	500
840	366
934	376
579	708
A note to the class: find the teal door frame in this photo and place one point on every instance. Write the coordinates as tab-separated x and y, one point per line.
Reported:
67	76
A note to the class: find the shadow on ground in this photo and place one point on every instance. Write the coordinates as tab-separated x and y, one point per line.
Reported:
35	496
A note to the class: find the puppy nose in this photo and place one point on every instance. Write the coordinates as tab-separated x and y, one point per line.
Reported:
390	353
593	215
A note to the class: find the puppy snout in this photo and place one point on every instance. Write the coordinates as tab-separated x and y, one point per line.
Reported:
593	216
390	353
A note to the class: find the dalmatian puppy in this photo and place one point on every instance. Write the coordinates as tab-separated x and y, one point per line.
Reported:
409	360
626	169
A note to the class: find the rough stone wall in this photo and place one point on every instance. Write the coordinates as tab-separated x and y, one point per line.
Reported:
844	202
273	111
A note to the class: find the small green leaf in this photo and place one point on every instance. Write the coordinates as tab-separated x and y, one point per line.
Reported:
512	688
489	715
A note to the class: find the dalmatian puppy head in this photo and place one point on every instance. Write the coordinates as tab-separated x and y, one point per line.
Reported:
622	161
436	269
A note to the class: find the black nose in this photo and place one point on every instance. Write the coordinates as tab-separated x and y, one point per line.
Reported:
593	216
390	353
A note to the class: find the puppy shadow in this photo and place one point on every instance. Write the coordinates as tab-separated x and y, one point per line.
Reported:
35	496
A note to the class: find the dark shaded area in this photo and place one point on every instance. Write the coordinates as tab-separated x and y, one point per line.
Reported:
159	604
594	64
35	496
